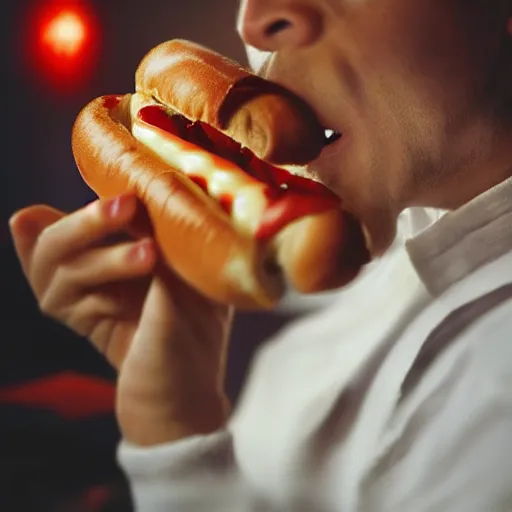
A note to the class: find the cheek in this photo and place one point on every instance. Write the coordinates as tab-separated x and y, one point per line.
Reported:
415	45
356	170
415	68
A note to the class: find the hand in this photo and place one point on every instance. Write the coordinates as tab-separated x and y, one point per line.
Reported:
167	341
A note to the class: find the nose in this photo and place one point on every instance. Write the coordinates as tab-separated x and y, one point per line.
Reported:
272	25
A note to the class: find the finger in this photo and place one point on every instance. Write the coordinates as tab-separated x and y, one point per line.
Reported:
113	340
95	269
77	232
115	303
109	317
111	264
88	226
26	225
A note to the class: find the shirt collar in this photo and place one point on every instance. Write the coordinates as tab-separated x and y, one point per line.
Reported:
463	240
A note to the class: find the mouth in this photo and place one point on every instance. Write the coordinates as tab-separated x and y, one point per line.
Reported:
320	169
331	136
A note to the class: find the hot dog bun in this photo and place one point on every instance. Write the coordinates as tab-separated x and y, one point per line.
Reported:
319	249
219	92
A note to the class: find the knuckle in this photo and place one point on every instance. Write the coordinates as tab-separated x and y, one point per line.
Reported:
119	262
47	236
46	304
91	217
80	317
100	333
98	220
68	279
49	244
52	295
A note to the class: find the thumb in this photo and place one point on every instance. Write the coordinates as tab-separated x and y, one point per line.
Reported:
26	225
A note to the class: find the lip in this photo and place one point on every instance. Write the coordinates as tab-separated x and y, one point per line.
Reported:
321	170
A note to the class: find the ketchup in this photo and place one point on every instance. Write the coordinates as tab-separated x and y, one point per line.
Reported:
112	101
290	197
226	202
200	181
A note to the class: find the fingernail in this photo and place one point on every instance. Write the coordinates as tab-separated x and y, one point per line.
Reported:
142	250
114	207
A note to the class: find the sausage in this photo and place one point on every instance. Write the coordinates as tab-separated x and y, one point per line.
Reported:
235	227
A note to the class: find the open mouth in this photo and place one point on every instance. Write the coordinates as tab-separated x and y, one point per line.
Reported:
331	136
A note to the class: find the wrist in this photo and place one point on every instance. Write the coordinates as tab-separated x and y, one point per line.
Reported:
145	425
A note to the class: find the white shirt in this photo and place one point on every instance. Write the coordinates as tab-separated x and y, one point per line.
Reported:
395	397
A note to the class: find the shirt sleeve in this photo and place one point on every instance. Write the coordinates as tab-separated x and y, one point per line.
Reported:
453	452
194	474
197	474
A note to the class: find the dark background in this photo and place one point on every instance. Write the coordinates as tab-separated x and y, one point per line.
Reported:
48	461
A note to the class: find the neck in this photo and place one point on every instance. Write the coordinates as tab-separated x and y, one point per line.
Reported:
481	159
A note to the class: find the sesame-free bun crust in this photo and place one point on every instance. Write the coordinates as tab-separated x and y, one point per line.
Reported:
198	241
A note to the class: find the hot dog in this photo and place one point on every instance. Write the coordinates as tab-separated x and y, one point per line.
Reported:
229	223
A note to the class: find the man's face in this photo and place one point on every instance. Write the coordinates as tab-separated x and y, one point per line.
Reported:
404	81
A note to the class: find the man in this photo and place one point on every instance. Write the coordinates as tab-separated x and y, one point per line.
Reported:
397	398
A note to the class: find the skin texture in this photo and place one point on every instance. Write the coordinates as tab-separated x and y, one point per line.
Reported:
409	83
420	90
168	342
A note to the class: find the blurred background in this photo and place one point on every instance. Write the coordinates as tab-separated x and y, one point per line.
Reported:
57	430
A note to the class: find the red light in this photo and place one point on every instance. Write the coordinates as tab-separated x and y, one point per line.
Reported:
63	42
65	34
